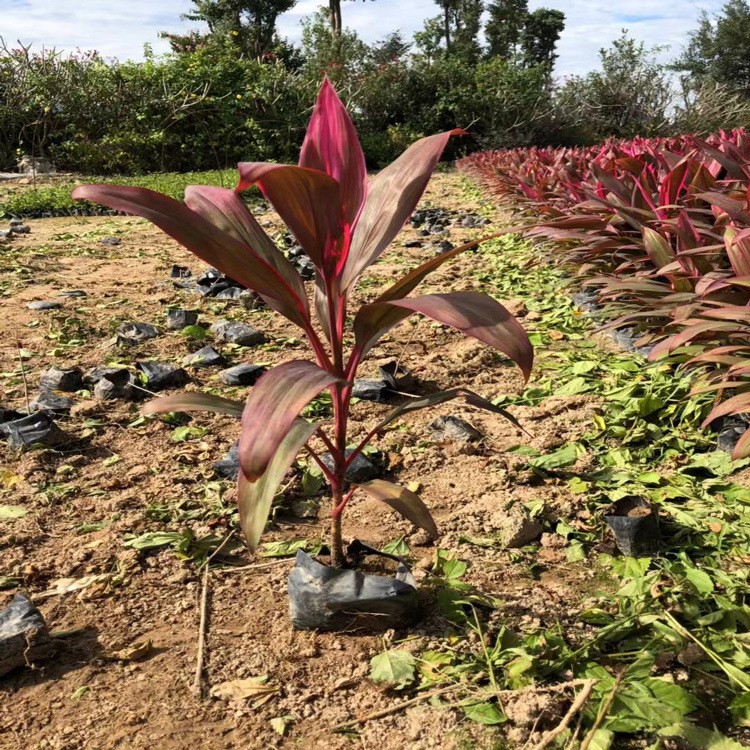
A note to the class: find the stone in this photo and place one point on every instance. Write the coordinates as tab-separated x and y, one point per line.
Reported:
516	529
44	305
229	466
360	470
180	272
136	333
244	374
414	243
74	293
455	429
229	332
32	429
179	319
516	307
113	385
24	638
36	165
110	241
205	357
445	246
159	376
53	403
370	390
95	374
55	379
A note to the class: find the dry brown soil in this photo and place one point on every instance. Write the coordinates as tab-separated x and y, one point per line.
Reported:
111	473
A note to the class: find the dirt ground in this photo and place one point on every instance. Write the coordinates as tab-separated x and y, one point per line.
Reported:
117	478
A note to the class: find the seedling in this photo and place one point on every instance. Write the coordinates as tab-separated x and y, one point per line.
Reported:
344	223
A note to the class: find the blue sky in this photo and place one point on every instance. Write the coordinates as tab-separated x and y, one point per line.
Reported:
119	28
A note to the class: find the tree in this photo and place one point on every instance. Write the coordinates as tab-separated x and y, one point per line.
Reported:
631	94
390	49
458	27
540	35
512	31
249	25
334	15
505	27
719	49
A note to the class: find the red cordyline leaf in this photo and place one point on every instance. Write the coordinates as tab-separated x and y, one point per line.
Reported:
194	402
742	447
236	259
309	203
254	499
392	197
738	249
332	146
472	313
735	405
272	406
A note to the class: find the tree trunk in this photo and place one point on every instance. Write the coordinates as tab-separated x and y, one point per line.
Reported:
335	16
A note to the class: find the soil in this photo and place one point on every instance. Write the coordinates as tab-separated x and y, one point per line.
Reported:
115	478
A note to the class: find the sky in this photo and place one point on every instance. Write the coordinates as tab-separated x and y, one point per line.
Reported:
119	28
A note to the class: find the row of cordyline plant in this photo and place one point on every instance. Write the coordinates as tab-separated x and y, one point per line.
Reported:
661	229
344	222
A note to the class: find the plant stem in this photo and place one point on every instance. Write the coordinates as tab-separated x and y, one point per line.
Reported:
337	548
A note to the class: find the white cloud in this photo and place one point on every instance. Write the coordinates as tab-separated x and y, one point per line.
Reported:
120	29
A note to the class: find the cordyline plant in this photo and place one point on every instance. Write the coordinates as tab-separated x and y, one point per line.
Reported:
344	223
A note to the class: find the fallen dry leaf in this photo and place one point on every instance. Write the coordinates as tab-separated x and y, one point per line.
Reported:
133	652
240	690
68	585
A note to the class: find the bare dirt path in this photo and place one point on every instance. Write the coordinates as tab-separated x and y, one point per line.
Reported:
121	476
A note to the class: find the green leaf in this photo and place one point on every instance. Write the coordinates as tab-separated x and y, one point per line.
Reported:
489	714
573	387
602	740
154	539
199	333
740	708
700	579
183	434
699	738
565	456
11	512
397	547
395	667
288	549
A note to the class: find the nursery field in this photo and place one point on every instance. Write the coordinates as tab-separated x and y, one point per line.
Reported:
535	631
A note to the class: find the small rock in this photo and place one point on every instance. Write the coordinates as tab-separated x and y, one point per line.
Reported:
44	305
229	466
370	390
414	243
360	470
516	529
113	385
74	293
445	246
516	307
24	638
229	332
179	319
32	429
160	376
244	374
51	402
180	272
454	429
54	379
110	241
136	333
205	357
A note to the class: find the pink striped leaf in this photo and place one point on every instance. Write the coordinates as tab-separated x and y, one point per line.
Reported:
255	498
231	256
392	197
272	406
472	313
332	146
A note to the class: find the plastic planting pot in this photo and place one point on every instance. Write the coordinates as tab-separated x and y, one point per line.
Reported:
635	525
326	598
